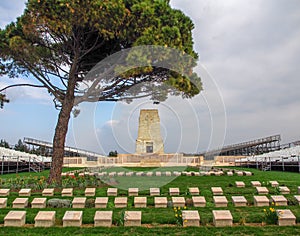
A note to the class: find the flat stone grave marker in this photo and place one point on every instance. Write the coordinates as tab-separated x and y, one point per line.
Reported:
149	174
279	200
239	184
48	192
81	174
197	174
248	173
103	219
133	218
3	202
133	192
274	183
188	173
39	203
72	218
4	192
90	192
284	190
262	190
239	201
67	192
176	173
217	190
63	174
15	218
190	218
174	191
286	217
154	191
220	201
222	218
129	174
255	183
139	173
199	201
261	201
120	202
78	202
44	219
112	174
25	192
101	202
168	173
112	192
297	197
230	173
160	202
20	203
121	173
239	173
178	201
140	202
158	173
194	191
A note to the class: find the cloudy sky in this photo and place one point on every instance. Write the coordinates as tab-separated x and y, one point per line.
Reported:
249	64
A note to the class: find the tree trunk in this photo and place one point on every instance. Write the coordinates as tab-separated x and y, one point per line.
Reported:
60	133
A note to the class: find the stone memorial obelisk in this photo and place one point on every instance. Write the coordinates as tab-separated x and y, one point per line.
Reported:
149	138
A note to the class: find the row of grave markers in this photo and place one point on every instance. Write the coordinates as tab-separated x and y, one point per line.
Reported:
160	202
159	173
68	192
221	218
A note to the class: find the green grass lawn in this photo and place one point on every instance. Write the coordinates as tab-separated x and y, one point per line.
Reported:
247	220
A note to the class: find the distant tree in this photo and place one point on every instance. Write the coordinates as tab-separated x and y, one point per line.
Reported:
20	146
113	154
4	144
3	100
59	41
